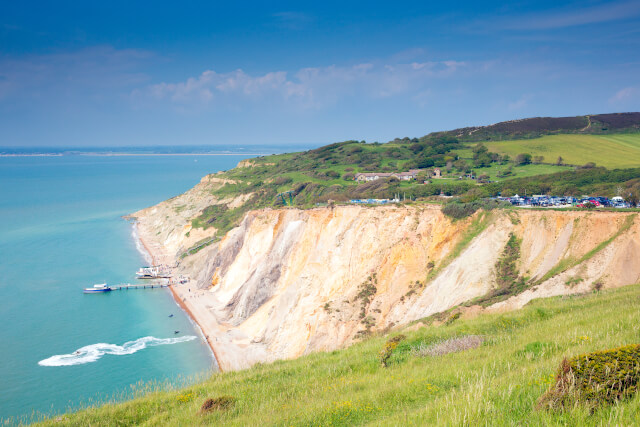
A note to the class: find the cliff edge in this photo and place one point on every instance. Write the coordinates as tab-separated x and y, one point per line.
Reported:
286	282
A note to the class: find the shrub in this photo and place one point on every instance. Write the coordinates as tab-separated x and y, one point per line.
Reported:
387	350
593	379
281	180
217	404
588	165
457	210
523	159
597	285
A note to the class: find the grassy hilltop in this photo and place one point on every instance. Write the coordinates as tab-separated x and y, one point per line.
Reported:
610	151
498	382
600	158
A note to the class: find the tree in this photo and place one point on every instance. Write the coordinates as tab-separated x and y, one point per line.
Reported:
460	164
560	161
505	159
523	159
481	156
424	175
481	160
479	149
538	159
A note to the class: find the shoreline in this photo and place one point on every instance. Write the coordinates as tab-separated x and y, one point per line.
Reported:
178	300
129	154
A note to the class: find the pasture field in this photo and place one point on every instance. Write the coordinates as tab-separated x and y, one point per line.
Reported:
519	171
497	383
610	151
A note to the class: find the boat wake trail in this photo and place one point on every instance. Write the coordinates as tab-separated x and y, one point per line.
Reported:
92	353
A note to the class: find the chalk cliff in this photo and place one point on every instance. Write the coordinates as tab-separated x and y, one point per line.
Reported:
287	282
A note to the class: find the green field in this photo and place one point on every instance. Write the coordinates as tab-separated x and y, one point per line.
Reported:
610	151
497	383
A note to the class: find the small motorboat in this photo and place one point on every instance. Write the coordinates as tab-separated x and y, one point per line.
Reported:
100	287
76	352
171	315
176	332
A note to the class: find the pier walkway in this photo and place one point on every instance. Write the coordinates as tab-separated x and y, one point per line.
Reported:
127	286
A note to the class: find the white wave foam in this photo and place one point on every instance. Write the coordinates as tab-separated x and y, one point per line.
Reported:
92	353
139	246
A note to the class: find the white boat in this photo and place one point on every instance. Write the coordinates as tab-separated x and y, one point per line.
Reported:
153	272
100	287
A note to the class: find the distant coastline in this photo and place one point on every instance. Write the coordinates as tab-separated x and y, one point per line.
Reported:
127	154
159	150
31	155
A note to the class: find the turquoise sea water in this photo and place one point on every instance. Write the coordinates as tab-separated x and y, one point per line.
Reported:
61	230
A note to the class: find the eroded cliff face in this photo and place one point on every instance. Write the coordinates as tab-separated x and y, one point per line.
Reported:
288	282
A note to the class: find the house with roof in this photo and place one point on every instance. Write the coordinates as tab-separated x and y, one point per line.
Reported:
373	176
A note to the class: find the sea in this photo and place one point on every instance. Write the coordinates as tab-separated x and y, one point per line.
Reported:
61	230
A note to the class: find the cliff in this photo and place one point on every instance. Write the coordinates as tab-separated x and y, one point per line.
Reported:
288	282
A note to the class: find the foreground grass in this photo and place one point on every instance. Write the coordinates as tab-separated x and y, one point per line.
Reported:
610	151
497	383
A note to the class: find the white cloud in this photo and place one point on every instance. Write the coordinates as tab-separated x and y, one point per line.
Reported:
575	16
311	87
625	95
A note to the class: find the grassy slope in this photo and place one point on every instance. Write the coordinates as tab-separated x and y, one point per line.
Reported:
497	383
517	171
610	151
326	173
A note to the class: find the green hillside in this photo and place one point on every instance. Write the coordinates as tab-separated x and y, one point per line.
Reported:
610	151
534	127
498	382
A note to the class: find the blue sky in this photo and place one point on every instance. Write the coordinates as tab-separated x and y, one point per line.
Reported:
190	73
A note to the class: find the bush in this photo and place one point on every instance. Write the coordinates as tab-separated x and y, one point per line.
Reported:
523	159
595	378
458	210
217	404
387	350
281	180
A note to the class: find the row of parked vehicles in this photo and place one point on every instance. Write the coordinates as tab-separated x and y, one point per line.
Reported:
557	201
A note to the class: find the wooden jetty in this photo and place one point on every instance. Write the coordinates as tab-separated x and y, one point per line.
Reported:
127	286
103	287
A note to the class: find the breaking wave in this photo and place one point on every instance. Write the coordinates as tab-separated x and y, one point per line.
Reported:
139	246
92	353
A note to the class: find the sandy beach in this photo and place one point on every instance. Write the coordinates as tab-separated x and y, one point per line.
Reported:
160	257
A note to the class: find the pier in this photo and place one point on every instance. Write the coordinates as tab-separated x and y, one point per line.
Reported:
127	286
103	287
160	272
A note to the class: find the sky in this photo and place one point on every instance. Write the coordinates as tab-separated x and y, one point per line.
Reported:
123	73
